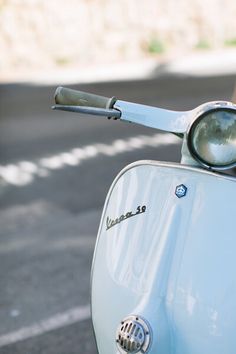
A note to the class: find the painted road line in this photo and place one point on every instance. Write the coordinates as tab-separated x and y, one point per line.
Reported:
24	172
63	319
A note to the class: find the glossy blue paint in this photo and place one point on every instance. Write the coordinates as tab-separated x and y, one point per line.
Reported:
173	264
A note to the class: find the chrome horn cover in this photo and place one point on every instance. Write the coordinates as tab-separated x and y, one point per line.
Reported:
133	335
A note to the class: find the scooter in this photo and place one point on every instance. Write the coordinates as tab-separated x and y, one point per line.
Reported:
163	277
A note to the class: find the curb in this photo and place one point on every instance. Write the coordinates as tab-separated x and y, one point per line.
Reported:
210	63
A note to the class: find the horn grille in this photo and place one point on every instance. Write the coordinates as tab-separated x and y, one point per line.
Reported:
133	335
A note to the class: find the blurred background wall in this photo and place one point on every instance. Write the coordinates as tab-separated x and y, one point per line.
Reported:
42	34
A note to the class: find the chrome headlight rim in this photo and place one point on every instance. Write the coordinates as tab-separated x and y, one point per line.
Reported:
216	108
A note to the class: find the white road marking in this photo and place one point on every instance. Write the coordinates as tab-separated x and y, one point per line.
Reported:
24	172
74	315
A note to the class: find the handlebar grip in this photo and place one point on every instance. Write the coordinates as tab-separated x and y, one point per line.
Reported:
66	96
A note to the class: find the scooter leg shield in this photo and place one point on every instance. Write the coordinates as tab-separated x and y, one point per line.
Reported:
163	276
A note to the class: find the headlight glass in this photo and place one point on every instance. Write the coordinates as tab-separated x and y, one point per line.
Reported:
212	138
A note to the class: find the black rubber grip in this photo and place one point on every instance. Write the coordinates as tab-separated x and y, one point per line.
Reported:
66	96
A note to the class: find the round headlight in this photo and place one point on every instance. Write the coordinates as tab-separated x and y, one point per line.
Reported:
212	138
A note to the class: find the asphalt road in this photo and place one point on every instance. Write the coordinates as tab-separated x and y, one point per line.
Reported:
49	211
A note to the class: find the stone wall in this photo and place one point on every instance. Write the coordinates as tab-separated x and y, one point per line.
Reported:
48	33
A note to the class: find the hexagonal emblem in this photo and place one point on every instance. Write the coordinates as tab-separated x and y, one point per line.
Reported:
181	190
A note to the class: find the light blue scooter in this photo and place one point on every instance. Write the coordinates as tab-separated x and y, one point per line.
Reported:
163	275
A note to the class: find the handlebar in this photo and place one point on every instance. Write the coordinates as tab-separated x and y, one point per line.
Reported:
82	102
66	96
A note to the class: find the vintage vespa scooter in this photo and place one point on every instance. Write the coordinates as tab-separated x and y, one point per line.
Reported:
164	268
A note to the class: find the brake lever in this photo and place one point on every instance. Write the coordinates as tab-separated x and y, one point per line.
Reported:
109	113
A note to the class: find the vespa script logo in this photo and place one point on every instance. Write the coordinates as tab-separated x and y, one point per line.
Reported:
112	222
